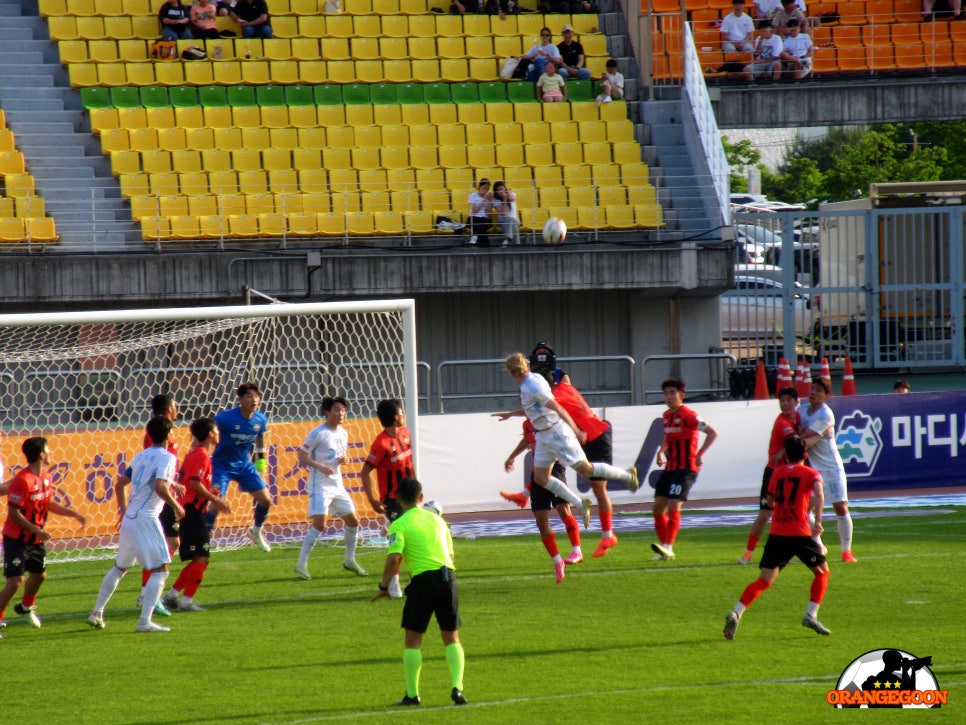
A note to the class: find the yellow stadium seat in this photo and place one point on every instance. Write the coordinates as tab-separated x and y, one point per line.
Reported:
538	154
641	195
47	8
12	230
227	72
393	48
470	113
453	134
134	184
202	204
634	174
155	228
626	152
429	178
556	112
246	116
421	23
509	155
288	202
371	180
426	70
401	178
131	118
360	223
256	204
103	119
335	160
64	28
484	69
388	222
123	162
172	205
217	159
283	180
73	51
508	45
143	139
198	138
223	182
163	183
198	73
420	222
283	138
108	74
497	113
339	26
423	48
274	117
394	157
564	132
425	157
620	217
649	215
359	115
276	159
144	206
90	28
252	182
459	180
40	229
545	177
404	200
365	158
413	113
397	71
317	202
611	195
145	25
448	26
536	133
346	201
246	159
479	134
306	48
119	28
606	174
100	51
243	226
114	139
312	138
386	115
144	74
454	70
592	131
533	218
332	224
374	201
160	118
479	157
313	72
191	117
193	182
303	224
285	27
369	71
529	112
156	161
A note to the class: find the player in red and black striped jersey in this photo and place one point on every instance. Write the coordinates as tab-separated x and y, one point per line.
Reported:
681	458
796	497
786	425
30	498
391	457
194	536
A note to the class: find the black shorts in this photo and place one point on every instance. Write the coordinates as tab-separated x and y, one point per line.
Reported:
675	484
169	524
429	593
779	550
763	495
542	499
20	557
601	449
194	535
393	509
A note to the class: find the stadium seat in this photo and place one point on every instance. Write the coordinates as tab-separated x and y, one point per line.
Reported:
455	70
480	157
386	115
437	93
426	157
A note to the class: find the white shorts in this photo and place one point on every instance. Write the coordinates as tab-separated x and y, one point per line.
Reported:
834	485
325	501
558	443
142	542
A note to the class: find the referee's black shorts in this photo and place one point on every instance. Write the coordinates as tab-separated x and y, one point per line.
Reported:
429	593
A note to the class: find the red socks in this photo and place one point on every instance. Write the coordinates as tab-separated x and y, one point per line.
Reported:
752	542
550	543
673	524
660	527
190	578
573	531
819	585
753	591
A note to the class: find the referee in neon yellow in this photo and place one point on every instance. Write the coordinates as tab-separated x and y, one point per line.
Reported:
423	539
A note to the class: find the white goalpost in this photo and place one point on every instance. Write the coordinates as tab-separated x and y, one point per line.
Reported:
85	380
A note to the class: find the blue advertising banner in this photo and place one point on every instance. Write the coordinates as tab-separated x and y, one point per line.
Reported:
901	441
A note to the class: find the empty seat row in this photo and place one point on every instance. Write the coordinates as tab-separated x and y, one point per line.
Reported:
255	49
457	180
125	27
278	7
29	229
498	98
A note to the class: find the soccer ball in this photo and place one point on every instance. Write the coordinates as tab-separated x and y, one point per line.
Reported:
554	231
435	506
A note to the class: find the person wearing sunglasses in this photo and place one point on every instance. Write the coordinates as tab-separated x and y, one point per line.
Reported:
540	54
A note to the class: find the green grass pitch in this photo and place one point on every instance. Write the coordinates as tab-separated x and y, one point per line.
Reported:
623	639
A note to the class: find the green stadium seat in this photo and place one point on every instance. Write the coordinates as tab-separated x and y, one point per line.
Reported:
270	95
154	97
465	93
328	94
384	94
437	93
241	96
523	92
356	94
493	92
95	97
213	96
125	97
299	95
409	93
578	91
183	96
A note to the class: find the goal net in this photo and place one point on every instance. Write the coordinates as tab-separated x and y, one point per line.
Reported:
85	381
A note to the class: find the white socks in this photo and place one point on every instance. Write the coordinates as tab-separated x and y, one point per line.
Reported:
559	489
845	530
311	536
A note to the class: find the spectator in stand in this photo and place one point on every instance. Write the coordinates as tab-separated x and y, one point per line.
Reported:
901	387
951	9
175	21
583	6
572	56
502	8
797	51
252	16
203	23
505	205
551	87
765	58
737	29
611	84
225	7
789	11
481	201
540	54
461	7
766	9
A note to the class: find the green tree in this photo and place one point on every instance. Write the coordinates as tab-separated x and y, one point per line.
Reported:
741	156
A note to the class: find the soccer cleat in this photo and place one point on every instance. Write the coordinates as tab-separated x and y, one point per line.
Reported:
731	625
170	601
746	557
190	607
813	624
302	571
30	614
604	546
662	551
407	700
585	507
458	697
395	591
96	620
354	568
575	558
849	557
151	627
255	534
559	569
160	609
520	499
633	484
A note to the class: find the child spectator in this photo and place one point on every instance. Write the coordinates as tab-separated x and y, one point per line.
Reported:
505	204
797	51
551	88
481	202
203	23
766	54
611	85
737	29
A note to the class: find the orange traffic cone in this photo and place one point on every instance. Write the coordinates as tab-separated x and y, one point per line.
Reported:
784	376
803	380
848	379
761	382
825	374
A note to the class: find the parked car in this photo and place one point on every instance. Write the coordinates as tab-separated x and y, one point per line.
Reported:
753	309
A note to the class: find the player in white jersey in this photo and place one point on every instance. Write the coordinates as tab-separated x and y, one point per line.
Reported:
557	438
818	434
324	453
141	539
